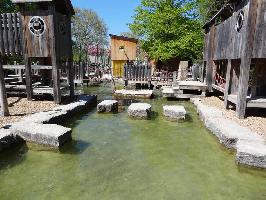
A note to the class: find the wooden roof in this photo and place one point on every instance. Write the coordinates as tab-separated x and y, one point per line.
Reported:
117	37
62	4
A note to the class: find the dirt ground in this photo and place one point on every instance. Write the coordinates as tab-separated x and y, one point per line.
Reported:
256	124
20	107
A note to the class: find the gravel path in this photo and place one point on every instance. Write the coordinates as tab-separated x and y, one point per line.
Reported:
20	107
256	124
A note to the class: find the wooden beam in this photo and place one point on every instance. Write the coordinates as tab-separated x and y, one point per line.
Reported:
3	96
28	78
55	59
71	79
227	84
210	62
246	60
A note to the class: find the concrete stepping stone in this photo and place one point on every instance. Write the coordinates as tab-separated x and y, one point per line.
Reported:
108	106
139	111
45	134
174	112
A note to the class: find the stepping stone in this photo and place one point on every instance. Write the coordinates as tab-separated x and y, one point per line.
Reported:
108	106
139	111
174	113
45	134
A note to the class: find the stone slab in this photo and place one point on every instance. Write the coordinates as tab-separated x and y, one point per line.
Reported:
251	153
44	134
142	94
174	112
108	106
139	111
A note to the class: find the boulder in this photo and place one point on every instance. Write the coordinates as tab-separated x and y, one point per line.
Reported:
139	111
174	112
252	153
44	134
108	106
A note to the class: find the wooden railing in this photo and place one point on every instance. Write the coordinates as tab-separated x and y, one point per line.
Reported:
137	73
10	34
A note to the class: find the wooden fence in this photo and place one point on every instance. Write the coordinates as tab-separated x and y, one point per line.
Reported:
10	34
137	73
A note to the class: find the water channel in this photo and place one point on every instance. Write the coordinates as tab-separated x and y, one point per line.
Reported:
114	157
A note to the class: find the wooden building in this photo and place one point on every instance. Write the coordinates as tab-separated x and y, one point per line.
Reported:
123	49
235	54
41	31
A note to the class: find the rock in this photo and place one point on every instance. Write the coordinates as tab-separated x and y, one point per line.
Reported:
108	106
8	139
139	111
44	134
174	112
142	94
252	153
229	132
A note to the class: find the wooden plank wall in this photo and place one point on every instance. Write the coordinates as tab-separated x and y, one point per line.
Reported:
10	34
138	73
37	46
130	50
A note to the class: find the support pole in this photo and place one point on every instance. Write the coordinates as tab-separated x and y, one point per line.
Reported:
28	74
210	62
246	60
55	59
71	79
227	84
3	96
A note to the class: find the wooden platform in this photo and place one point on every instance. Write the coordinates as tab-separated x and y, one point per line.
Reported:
185	90
257	102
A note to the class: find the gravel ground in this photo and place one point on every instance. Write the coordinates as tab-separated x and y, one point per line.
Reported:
20	107
256	124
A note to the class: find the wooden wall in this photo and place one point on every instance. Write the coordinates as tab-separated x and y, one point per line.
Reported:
10	34
130	50
37	46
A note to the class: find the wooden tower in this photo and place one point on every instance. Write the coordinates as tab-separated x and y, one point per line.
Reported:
46	37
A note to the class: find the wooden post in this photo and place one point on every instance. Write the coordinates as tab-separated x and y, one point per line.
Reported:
3	96
28	74
210	62
55	60
227	84
246	60
71	79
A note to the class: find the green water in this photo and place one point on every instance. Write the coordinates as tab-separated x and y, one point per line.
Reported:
113	157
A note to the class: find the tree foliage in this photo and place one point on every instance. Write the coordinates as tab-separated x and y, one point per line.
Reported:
7	6
207	8
169	28
88	30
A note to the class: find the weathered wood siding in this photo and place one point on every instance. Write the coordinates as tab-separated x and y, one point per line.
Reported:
10	34
130	50
37	46
63	36
228	42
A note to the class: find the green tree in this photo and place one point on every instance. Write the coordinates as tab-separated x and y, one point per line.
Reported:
7	6
207	8
169	28
88	29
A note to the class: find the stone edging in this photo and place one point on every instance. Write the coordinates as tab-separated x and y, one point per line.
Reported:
250	147
45	127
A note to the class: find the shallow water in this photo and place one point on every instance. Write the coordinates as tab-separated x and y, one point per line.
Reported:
113	157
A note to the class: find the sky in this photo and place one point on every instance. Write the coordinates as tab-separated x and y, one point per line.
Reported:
116	13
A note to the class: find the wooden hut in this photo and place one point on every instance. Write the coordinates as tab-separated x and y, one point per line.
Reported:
123	49
235	54
45	35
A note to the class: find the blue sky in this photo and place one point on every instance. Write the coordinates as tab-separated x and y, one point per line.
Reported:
116	13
